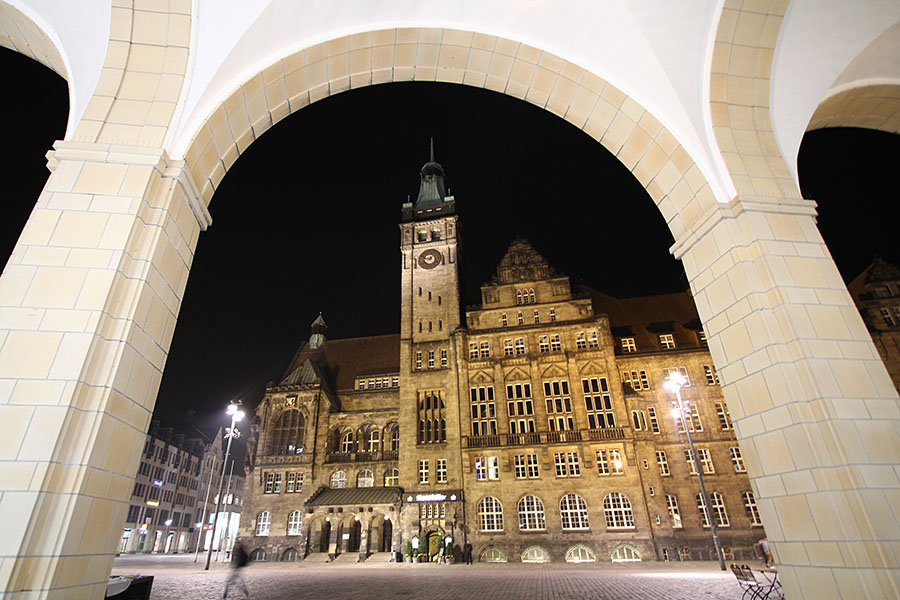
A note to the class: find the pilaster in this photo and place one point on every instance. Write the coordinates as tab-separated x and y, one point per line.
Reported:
88	303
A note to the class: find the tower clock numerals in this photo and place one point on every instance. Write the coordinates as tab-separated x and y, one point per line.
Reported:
430	258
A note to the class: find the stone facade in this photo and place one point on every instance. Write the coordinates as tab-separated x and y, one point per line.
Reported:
538	429
877	294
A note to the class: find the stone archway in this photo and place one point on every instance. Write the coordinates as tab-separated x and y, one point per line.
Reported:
868	106
813	405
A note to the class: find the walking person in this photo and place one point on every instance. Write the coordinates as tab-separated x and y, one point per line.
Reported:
239	560
467	553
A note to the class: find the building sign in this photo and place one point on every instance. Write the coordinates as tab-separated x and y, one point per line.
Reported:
431	498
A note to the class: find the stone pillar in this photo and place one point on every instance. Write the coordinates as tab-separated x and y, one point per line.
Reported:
88	301
397	537
364	541
333	541
814	409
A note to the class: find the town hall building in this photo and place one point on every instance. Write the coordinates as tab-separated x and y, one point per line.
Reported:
534	426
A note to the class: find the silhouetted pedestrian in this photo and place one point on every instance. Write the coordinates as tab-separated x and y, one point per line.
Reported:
467	553
239	560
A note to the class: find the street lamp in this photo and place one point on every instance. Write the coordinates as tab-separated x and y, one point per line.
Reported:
681	408
166	540
230	434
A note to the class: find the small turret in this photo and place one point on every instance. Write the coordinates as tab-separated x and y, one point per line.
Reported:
317	337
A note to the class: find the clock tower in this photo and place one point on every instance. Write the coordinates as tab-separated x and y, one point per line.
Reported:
429	317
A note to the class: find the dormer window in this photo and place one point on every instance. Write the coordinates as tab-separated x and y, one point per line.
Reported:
628	345
667	341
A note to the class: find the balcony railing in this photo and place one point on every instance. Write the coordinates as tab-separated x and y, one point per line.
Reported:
548	437
297	459
338	457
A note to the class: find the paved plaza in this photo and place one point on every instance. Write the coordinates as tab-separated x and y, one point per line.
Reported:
179	578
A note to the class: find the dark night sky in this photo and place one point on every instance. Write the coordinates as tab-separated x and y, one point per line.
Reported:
306	220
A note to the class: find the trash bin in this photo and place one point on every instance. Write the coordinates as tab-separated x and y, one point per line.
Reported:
129	587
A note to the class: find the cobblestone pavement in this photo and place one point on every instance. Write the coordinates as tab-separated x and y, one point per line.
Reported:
179	578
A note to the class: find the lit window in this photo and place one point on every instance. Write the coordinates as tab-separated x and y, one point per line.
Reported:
392	477
567	464
490	514
423	471
573	512
667	341
365	479
680	370
718	509
544	343
295	519
628	345
442	470
339	479
487	468
618	512
712	377
674	515
263	523
609	462
752	509
347	442
555	343
277	483
724	416
737	459
531	514
662	462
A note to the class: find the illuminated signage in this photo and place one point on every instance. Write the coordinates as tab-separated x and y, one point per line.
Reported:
158	482
152	502
430	497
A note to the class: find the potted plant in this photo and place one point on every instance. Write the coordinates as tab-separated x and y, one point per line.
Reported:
409	551
448	553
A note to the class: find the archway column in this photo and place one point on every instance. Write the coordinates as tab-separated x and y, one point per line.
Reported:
89	301
814	409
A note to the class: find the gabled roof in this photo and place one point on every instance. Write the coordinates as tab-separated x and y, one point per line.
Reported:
339	362
522	263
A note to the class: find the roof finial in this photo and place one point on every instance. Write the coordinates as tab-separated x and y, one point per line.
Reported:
431	159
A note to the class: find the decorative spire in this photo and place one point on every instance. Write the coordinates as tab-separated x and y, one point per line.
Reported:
431	187
317	337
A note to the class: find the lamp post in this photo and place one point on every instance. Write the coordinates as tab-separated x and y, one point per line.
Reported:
166	539
674	383
230	434
202	522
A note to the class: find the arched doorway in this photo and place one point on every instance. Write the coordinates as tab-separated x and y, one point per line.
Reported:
387	534
318	535
379	533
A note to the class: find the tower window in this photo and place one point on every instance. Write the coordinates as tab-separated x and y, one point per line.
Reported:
430	326
537	316
503	320
418	360
520	318
429	295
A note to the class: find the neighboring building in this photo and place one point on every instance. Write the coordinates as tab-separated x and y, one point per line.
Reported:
877	294
175	490
538	429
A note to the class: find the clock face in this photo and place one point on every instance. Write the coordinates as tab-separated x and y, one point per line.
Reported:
430	259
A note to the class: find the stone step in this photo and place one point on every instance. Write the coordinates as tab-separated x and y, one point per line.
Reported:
316	557
350	557
379	557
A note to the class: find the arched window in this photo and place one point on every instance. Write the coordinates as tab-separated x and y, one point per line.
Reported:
365	479
295	520
617	508
531	299
625	553
347	442
531	514
392	477
395	436
580	553
338	479
492	554
535	554
373	440
519	297
574	513
289	555
490	514
288	433
263	523
258	554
